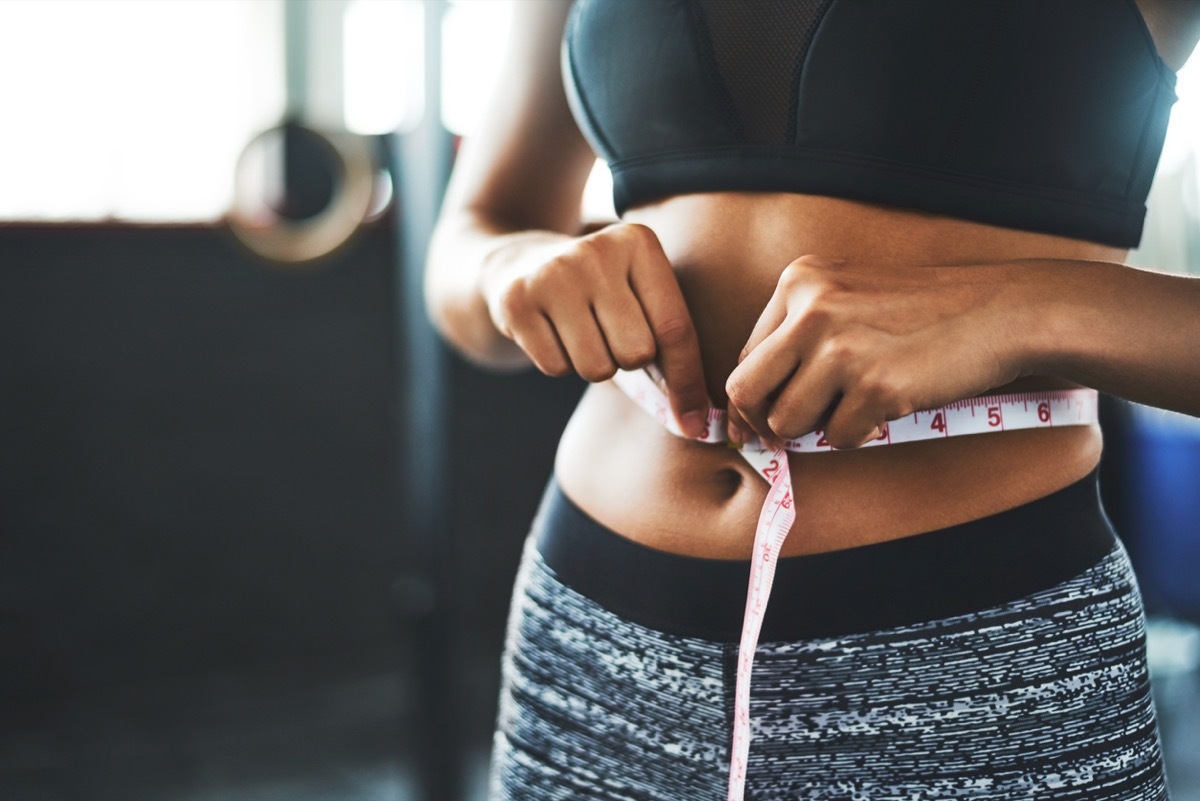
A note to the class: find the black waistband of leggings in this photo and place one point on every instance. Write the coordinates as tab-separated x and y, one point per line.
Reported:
924	577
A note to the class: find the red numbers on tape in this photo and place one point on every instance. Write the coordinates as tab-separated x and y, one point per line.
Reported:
778	513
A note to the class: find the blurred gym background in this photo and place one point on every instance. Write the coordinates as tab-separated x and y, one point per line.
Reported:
257	526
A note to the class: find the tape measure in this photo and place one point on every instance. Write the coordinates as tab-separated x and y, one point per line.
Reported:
981	415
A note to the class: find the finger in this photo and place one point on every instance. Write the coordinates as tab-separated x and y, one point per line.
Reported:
537	338
623	323
796	289
753	383
675	339
771	318
874	397
584	343
852	424
807	400
737	429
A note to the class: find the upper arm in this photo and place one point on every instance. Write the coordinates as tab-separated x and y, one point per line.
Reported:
1189	37
527	164
1174	26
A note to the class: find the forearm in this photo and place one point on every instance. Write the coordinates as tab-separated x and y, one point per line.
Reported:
1125	331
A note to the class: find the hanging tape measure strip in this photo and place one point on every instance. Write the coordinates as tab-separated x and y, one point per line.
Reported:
981	415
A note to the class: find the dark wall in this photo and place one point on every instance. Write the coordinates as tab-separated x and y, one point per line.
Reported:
196	465
202	467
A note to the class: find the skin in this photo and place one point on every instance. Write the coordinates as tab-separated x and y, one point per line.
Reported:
794	312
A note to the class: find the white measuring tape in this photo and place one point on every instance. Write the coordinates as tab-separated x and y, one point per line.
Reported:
981	415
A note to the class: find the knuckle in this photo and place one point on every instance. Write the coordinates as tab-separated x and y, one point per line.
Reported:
841	439
591	248
733	392
553	366
780	425
550	278
641	235
515	303
878	389
590	268
674	331
818	315
886	396
808	269
814	261
837	349
573	273
596	373
795	273
737	393
636	356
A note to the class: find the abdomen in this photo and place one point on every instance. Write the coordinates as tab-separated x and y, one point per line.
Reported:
729	250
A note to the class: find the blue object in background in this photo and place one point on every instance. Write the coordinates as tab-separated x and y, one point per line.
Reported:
1164	509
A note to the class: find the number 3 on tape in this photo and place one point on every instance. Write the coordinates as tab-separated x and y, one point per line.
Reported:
981	415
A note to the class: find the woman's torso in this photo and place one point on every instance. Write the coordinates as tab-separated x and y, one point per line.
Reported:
728	250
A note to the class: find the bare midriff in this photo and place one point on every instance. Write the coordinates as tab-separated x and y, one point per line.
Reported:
728	250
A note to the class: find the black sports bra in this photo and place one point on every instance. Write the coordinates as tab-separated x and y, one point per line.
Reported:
1042	115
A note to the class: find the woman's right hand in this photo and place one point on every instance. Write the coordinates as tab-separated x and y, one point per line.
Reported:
597	303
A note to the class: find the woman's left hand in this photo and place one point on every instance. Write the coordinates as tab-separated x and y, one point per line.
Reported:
847	348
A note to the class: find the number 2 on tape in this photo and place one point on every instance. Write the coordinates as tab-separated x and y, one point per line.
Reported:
979	415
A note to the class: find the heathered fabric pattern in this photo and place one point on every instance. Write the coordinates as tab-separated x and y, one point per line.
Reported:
1046	697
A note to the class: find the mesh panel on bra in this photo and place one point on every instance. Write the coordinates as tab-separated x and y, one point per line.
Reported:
758	47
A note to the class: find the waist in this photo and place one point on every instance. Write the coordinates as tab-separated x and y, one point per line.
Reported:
728	250
935	575
675	495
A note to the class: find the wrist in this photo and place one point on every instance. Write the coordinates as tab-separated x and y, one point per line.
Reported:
1054	314
511	255
507	258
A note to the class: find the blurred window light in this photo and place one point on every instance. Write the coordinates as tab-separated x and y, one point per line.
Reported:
133	110
1171	236
475	34
1183	132
384	65
598	194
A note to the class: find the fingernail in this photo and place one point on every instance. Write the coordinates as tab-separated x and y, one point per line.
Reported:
692	423
736	439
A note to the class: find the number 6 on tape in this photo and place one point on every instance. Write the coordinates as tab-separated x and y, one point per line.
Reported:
980	415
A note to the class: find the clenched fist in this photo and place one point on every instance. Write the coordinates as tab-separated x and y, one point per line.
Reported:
596	303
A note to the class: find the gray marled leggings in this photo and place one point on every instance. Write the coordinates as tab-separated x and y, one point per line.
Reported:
1000	659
